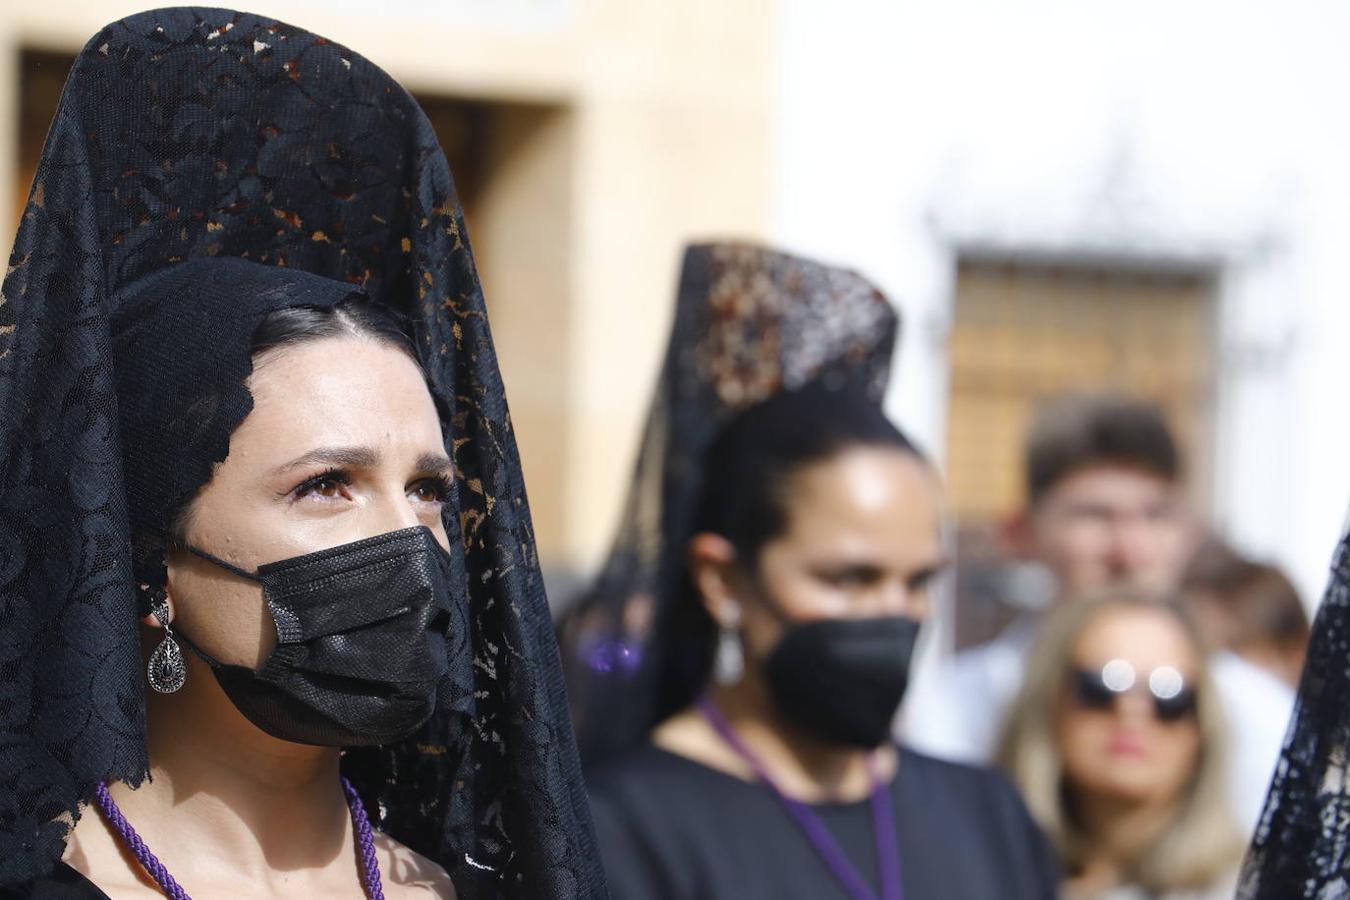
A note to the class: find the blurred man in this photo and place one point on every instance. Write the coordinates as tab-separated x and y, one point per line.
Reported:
1104	499
1105	508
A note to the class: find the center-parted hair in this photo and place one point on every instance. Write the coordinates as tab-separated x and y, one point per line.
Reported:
356	316
1201	843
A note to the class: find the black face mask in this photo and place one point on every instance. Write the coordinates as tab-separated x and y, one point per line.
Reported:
361	646
843	679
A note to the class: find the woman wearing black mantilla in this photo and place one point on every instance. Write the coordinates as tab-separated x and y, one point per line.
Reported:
248	398
737	666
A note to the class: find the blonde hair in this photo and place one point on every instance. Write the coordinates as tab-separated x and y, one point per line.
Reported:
1201	844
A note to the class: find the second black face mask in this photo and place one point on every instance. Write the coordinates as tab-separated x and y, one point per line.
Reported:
361	646
843	679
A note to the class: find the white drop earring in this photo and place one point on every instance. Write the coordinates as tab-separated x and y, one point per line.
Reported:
729	661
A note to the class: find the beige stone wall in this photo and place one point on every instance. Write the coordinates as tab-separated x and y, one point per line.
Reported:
627	127
674	143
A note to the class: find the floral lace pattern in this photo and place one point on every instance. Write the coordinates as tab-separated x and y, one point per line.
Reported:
1301	850
190	133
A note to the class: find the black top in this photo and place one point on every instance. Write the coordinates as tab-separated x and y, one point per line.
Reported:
63	884
674	829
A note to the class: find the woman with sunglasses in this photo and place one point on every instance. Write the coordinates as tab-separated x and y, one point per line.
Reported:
1117	743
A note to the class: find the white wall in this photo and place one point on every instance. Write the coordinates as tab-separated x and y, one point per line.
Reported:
1215	132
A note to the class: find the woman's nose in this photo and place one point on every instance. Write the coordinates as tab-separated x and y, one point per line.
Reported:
1134	706
894	598
394	511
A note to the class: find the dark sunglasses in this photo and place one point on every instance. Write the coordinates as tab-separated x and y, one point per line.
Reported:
1099	690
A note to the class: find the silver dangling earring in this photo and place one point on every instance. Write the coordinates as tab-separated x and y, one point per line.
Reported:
167	670
729	663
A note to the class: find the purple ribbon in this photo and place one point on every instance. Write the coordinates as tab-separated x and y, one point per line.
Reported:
826	847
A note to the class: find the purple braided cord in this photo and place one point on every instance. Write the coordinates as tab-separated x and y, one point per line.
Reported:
883	826
365	841
133	840
883	819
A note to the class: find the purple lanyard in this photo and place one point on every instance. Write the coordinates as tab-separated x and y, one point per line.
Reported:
829	851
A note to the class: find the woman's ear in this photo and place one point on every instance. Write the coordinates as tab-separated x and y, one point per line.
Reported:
152	620
714	571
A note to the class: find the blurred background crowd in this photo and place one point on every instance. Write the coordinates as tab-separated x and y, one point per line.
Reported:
1058	196
1114	238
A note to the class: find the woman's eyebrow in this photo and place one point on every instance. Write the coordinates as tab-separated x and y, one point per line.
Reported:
359	457
434	462
937	566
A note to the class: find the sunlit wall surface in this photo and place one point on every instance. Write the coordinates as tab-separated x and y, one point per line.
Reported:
926	143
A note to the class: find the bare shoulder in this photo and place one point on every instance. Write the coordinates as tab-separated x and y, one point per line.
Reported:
407	873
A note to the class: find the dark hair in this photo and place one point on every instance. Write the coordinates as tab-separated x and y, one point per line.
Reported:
747	469
1259	601
1072	433
745	497
354	315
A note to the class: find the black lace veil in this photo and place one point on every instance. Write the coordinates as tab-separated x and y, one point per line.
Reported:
749	322
1301	849
212	151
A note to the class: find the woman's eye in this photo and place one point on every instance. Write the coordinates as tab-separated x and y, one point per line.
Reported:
431	490
328	486
847	579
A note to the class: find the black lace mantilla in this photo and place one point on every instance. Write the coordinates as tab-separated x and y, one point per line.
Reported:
1301	850
187	134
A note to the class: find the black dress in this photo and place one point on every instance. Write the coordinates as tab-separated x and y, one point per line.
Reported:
674	829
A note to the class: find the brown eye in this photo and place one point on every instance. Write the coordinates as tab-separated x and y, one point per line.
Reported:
327	486
431	490
851	578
